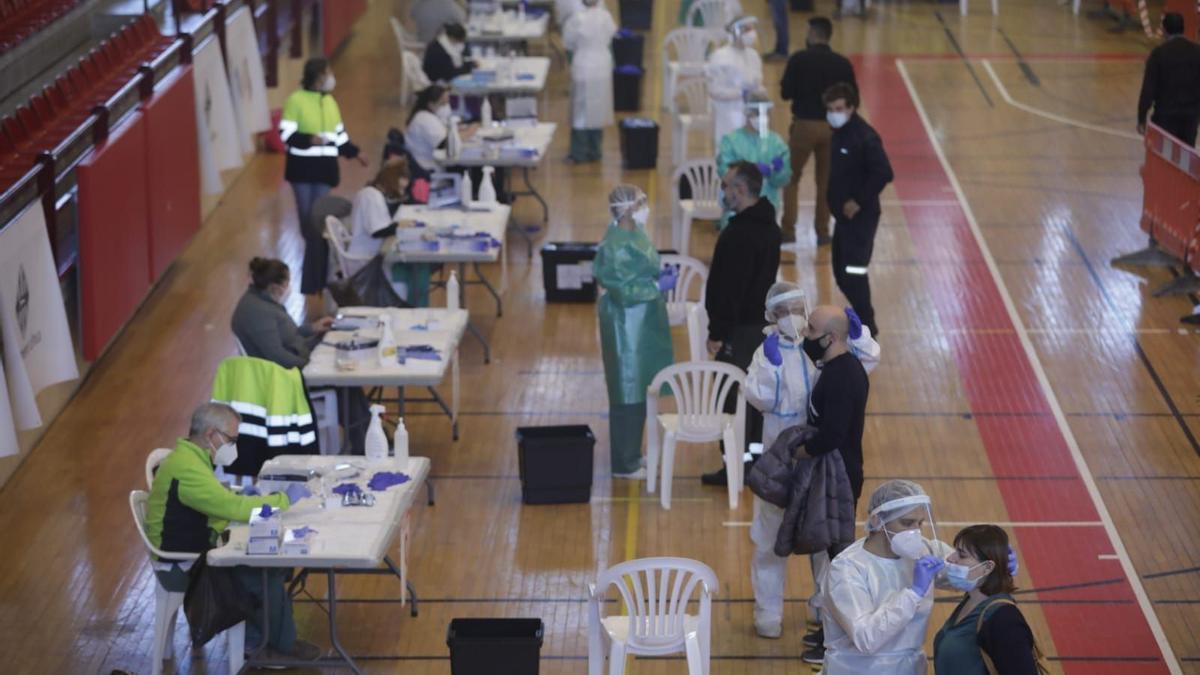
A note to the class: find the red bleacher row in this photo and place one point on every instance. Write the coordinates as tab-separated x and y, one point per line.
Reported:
20	19
1171	196
51	116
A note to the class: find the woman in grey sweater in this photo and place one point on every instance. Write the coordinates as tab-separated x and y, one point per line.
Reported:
264	327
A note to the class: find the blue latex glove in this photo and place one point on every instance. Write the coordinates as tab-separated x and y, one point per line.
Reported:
764	169
777	163
250	491
771	350
296	492
855	323
1012	562
667	279
924	570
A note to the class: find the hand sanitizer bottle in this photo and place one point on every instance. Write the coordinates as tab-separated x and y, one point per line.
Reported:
400	443
376	444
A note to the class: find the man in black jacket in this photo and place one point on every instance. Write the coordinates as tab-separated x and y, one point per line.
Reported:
809	73
1172	84
744	266
446	57
859	170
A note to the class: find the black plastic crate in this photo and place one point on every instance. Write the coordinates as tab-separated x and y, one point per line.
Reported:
494	646
636	14
567	271
628	48
639	143
627	88
555	464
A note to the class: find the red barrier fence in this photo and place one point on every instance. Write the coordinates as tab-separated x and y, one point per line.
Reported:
1171	201
337	18
173	171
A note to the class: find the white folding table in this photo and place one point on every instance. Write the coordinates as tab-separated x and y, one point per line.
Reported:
506	29
348	540
504	76
486	219
525	150
438	327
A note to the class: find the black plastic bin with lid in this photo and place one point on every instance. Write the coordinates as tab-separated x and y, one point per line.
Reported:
494	646
639	143
627	88
555	464
567	271
628	48
636	14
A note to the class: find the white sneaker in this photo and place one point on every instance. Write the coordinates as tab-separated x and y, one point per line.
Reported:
640	474
771	631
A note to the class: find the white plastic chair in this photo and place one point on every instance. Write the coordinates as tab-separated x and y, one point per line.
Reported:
694	115
167	603
155	458
705	203
239	347
690	272
412	77
656	592
962	7
690	47
714	14
405	40
339	243
700	390
697	328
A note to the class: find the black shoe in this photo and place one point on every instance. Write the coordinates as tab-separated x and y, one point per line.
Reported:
1191	319
815	638
716	478
816	655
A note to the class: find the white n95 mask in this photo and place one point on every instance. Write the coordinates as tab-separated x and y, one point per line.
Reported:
641	216
787	328
749	38
908	544
226	454
837	120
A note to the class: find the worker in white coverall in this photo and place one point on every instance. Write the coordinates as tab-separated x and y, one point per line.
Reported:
778	383
733	70
588	36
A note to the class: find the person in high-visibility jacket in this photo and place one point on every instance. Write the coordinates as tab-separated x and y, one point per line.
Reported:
312	130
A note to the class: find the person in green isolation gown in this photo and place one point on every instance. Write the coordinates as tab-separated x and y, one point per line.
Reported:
635	338
756	143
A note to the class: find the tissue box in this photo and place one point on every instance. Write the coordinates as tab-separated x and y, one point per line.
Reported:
263	546
265	527
294	544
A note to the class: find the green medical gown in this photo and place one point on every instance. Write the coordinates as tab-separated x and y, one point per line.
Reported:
635	337
744	145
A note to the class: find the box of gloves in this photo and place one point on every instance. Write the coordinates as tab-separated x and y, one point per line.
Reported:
297	540
265	531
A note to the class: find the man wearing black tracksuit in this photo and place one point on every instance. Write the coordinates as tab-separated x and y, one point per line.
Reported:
1171	84
859	170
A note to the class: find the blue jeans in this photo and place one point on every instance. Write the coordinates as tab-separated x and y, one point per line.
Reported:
279	608
779	17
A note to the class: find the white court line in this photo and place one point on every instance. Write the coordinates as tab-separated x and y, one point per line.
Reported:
987	65
1107	556
1085	473
898	202
968	523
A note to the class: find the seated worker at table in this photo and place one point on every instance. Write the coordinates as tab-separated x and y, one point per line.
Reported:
262	324
373	229
446	57
429	125
188	508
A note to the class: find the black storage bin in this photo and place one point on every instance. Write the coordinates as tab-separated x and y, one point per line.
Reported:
555	464
627	88
639	143
628	48
567	271
636	14
494	646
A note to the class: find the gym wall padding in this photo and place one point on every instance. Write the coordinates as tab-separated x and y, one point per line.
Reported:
114	253
172	190
337	18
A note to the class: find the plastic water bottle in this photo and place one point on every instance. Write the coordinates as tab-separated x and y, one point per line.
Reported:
453	141
387	342
485	112
487	188
376	444
466	189
452	291
400	443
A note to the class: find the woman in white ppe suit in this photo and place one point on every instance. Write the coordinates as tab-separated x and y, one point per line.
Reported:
878	591
779	384
732	70
588	36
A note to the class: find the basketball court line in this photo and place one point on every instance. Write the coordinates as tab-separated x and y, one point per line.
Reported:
1042	380
987	66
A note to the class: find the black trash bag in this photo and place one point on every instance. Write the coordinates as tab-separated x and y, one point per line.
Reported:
368	287
214	602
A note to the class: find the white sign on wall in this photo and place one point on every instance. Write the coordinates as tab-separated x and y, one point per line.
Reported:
247	83
216	123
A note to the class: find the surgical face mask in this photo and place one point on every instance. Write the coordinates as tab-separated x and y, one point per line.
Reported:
838	119
226	454
749	38
788	328
908	544
328	83
958	576
443	112
641	216
812	347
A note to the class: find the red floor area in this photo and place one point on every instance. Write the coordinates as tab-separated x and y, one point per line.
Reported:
1098	628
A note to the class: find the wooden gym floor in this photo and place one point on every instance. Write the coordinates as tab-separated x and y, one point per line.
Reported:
1024	380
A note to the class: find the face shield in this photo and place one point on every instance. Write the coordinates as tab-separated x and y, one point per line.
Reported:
908	524
788	310
758	112
628	200
744	31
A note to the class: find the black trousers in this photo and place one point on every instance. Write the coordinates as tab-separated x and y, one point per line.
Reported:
1182	127
853	243
740	352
